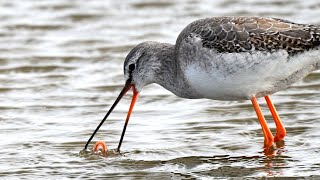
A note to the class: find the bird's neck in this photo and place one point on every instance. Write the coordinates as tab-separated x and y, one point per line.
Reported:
169	75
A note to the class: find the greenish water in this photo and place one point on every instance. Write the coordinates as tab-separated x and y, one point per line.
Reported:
62	68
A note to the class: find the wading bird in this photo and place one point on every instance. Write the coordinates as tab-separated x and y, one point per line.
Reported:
226	58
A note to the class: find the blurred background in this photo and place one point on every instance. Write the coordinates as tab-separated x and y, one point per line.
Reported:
61	67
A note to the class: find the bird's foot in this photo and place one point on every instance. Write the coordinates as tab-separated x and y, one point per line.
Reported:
269	147
279	136
269	150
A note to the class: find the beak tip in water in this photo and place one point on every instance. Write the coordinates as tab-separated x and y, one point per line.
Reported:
125	89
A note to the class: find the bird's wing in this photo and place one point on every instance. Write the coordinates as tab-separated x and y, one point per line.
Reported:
243	34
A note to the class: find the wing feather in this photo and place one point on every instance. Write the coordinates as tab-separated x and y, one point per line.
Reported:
243	34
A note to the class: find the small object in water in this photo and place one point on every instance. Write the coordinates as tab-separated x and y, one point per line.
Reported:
100	148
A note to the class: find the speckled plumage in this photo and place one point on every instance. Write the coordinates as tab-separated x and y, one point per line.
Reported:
243	34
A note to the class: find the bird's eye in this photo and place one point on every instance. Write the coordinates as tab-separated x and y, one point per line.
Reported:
131	67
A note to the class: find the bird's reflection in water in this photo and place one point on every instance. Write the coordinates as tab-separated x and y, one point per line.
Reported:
274	161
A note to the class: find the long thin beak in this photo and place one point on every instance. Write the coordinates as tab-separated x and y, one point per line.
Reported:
133	101
125	89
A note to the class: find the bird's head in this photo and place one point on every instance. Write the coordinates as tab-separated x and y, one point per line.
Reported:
141	65
140	68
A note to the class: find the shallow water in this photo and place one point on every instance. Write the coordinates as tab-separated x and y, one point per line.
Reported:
62	68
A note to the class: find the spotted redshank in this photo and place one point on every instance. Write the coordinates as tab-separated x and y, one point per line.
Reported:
226	58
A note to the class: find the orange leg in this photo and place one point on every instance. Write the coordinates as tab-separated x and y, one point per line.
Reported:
281	131
268	137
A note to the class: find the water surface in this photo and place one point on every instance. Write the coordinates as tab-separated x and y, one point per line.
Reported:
62	68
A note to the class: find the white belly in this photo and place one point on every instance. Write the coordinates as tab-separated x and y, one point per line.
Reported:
233	76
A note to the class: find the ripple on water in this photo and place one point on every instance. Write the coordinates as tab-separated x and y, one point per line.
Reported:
61	68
